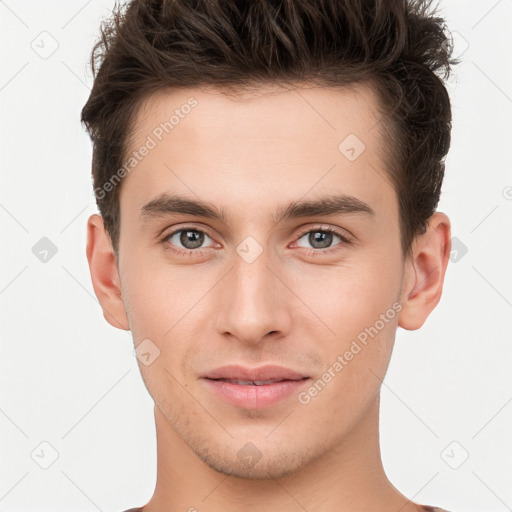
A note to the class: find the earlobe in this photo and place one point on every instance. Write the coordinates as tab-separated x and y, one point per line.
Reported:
424	272
104	273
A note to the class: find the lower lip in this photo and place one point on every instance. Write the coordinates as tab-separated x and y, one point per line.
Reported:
254	397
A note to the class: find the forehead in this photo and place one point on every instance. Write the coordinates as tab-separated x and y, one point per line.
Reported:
259	145
270	110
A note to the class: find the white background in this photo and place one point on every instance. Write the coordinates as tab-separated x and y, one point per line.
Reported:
70	379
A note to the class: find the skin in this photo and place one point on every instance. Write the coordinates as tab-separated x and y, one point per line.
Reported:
250	155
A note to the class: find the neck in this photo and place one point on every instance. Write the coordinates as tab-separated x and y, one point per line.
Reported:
349	477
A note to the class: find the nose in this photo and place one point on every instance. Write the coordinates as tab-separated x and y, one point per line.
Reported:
255	302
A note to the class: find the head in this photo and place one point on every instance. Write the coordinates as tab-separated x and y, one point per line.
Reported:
254	127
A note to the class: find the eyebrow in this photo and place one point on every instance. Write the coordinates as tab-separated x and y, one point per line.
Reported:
166	204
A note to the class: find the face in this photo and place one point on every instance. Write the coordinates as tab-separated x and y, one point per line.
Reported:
250	281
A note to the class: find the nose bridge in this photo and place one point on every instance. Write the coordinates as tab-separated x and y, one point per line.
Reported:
255	301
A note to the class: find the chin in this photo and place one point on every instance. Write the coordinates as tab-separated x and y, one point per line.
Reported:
248	462
262	470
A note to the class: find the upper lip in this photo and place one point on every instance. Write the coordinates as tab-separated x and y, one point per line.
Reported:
268	372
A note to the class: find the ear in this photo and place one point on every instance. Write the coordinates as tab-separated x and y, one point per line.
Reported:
104	273
424	272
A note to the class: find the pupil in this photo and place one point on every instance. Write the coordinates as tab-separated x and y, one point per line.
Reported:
325	239
192	239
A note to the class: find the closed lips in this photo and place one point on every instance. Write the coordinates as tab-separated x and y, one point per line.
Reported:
241	382
254	388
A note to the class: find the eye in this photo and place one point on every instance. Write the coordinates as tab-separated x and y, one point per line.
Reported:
186	240
321	239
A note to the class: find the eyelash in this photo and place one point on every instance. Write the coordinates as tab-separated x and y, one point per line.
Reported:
310	252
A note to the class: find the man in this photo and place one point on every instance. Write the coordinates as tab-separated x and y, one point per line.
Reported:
267	175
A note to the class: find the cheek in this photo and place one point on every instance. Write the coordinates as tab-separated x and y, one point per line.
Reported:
169	305
151	297
358	309
353	370
348	297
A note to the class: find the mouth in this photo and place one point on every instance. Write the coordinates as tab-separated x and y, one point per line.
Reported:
240	382
254	388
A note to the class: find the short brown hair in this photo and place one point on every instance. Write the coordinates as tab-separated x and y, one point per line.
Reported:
402	48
